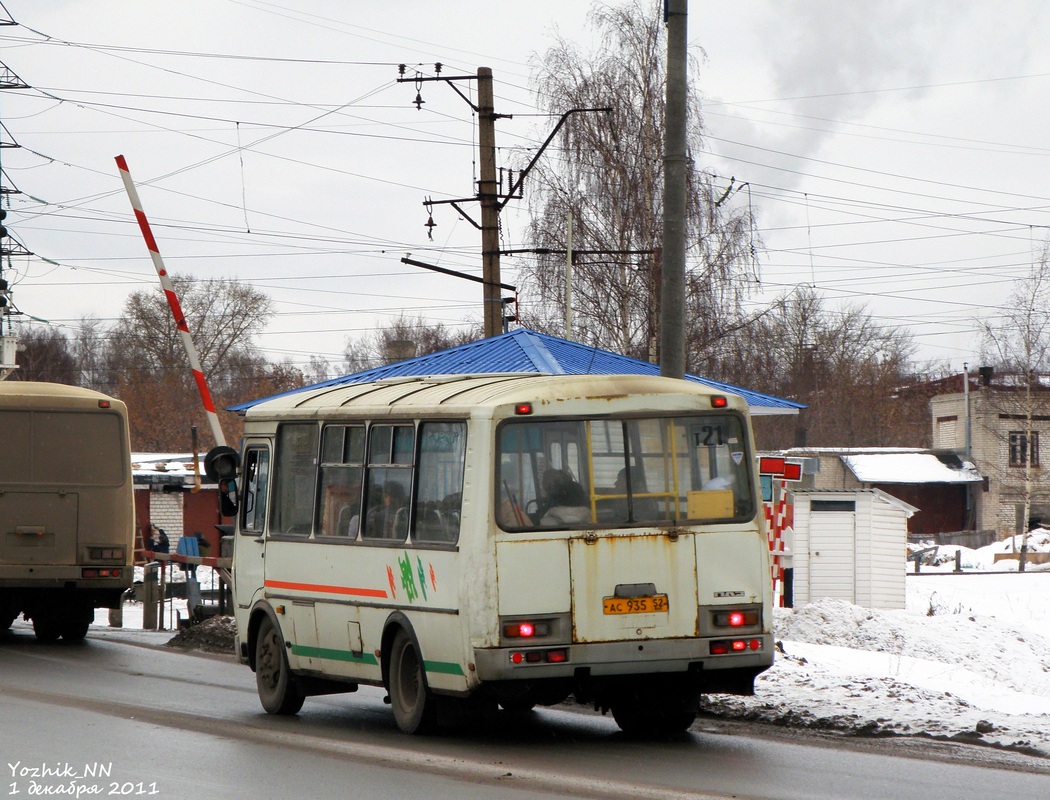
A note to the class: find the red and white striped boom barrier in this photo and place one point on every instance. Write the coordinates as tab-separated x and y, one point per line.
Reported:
173	301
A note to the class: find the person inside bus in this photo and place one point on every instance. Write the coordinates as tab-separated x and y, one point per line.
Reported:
619	509
390	519
566	499
350	514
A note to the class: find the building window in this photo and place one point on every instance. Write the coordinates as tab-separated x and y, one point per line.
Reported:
1021	449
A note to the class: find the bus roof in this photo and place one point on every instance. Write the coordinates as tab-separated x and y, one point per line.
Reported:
468	394
14	394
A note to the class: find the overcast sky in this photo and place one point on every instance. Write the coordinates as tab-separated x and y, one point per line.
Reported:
894	152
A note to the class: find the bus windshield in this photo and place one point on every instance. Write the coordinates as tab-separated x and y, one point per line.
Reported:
586	473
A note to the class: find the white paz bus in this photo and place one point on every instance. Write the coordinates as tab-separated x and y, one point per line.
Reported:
468	541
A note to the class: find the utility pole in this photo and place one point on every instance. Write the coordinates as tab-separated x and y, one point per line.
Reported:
568	276
8	247
672	288
488	196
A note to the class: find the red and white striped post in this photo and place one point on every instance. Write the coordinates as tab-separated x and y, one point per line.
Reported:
173	301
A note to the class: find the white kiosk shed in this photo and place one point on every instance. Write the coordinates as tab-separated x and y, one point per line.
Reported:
850	545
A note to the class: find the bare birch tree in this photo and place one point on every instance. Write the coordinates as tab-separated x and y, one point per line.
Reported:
607	173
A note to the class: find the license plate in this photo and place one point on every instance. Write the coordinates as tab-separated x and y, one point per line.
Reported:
635	605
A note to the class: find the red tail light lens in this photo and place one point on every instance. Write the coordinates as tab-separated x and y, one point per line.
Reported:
736	618
100	573
721	647
559	656
525	630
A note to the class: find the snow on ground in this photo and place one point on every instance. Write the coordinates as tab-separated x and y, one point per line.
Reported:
968	660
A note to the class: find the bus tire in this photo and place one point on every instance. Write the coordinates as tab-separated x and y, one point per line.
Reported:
46	626
517	706
75	627
412	703
635	720
278	691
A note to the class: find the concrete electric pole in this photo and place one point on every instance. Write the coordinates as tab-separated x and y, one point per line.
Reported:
672	289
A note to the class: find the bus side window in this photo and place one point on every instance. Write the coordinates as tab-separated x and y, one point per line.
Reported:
256	479
388	486
439	481
295	478
342	459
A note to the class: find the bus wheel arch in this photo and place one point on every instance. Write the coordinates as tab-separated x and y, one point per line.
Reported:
279	692
262	611
405	678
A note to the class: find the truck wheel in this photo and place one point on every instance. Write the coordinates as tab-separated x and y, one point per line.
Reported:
413	705
278	691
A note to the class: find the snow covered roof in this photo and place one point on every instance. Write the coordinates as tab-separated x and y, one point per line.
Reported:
525	351
909	467
169	468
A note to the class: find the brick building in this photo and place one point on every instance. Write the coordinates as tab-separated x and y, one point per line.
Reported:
938	484
990	421
164	496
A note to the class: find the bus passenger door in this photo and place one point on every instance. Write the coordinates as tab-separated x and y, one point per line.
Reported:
250	545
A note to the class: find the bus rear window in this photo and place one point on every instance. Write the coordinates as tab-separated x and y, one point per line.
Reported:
571	474
54	447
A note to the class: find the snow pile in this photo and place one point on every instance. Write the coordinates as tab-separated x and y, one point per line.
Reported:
941	670
942	558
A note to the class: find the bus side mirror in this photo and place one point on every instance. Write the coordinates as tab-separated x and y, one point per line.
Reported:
221	465
228	497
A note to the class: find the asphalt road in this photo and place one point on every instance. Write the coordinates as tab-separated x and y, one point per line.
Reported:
119	716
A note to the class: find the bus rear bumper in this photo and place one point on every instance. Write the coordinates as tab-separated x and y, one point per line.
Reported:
609	659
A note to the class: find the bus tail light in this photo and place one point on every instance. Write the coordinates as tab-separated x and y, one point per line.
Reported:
722	647
559	656
543	630
100	572
526	630
736	618
99	553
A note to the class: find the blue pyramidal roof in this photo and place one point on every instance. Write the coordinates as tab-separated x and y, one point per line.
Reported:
523	350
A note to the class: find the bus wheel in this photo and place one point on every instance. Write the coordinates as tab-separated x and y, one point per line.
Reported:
413	705
635	720
278	691
46	627
75	627
517	706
